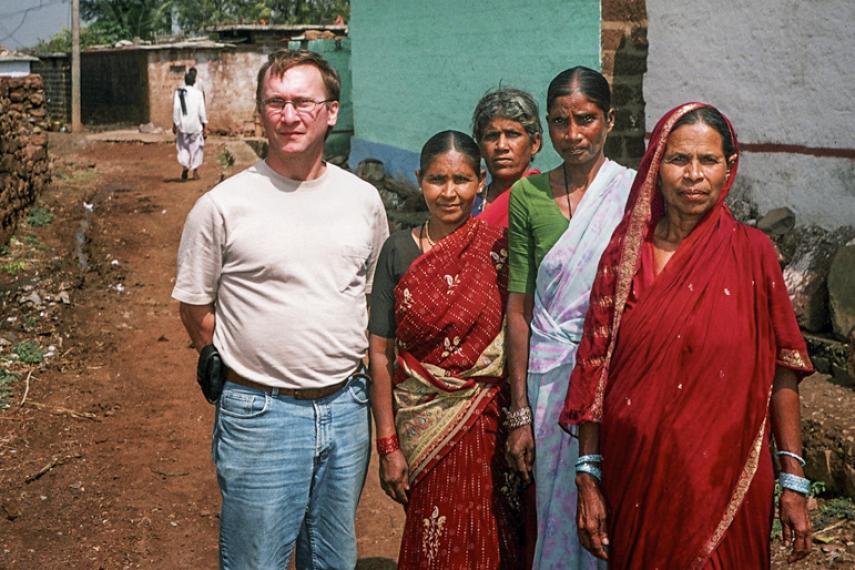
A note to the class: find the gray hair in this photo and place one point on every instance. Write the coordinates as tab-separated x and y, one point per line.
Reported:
507	103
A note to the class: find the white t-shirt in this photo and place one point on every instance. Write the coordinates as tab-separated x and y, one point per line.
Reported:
196	116
288	265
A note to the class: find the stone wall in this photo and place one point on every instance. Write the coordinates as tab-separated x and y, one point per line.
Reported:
624	62
24	165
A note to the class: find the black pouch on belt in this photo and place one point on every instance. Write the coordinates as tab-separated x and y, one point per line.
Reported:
211	373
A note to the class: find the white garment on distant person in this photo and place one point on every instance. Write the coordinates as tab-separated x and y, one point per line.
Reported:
191	149
195	116
189	120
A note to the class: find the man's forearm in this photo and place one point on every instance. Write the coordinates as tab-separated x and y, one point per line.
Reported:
199	320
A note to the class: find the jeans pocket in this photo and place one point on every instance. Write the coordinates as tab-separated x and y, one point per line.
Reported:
358	388
243	405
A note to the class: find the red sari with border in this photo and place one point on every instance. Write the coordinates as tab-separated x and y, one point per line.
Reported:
463	509
678	370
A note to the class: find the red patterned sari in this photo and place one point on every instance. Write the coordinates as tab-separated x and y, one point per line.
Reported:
678	370
449	387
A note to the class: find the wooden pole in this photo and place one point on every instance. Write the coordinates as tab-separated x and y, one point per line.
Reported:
76	126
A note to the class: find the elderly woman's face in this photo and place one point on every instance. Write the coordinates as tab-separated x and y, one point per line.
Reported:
693	170
507	149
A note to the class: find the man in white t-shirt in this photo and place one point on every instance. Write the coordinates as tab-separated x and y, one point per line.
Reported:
189	119
273	269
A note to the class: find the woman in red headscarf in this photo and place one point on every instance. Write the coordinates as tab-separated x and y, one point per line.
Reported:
690	361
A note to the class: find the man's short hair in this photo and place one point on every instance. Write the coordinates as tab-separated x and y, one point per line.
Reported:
281	61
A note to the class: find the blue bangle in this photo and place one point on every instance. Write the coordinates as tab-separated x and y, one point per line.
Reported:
590	469
798	458
794	483
589	459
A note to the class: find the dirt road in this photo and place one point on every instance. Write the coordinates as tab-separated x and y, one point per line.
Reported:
105	439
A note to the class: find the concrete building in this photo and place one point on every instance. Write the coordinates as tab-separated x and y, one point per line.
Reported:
420	67
783	71
14	64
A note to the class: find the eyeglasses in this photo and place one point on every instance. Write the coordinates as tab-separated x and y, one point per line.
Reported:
302	106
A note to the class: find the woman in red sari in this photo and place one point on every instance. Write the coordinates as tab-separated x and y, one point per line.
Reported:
690	362
438	368
506	126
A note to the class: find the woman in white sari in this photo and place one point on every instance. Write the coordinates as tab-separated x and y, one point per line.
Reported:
560	223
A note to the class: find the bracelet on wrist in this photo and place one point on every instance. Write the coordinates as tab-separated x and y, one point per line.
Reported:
792	455
593	458
517	418
794	483
387	445
590	469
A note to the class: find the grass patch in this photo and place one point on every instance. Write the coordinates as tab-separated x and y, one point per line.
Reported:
39	217
226	159
6	380
32	240
29	352
834	510
14	268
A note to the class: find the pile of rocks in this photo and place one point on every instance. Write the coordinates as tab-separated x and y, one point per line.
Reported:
819	270
24	162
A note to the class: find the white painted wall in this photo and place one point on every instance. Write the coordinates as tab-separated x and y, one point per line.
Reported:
783	71
14	68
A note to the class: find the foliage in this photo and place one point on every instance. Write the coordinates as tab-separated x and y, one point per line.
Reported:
13	268
60	42
29	352
114	20
32	240
128	19
6	380
226	159
39	217
836	509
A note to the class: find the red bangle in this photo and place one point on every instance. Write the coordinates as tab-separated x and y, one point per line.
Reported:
387	445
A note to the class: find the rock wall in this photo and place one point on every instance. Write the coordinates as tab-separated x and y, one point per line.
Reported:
24	164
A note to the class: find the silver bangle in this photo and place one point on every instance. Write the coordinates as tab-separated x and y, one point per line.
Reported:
794	483
517	418
591	470
795	456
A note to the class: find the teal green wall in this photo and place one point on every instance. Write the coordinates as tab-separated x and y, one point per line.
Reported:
337	53
420	66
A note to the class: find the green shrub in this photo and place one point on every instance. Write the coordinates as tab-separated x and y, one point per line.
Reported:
29	352
39	217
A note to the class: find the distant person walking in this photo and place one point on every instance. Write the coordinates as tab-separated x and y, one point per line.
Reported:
188	123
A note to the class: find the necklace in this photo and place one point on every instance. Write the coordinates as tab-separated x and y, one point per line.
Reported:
566	189
427	232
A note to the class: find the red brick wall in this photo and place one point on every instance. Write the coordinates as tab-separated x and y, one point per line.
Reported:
624	62
24	163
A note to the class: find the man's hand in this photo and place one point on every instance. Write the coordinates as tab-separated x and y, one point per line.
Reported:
519	451
394	476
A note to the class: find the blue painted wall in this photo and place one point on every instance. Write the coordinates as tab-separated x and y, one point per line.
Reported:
420	67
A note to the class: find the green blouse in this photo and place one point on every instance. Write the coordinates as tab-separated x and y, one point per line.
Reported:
534	225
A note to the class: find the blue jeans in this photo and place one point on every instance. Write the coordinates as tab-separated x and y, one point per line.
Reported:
290	471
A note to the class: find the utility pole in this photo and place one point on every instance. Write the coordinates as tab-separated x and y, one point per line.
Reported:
76	127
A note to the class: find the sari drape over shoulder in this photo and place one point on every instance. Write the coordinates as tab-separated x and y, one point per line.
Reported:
449	384
679	373
562	289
